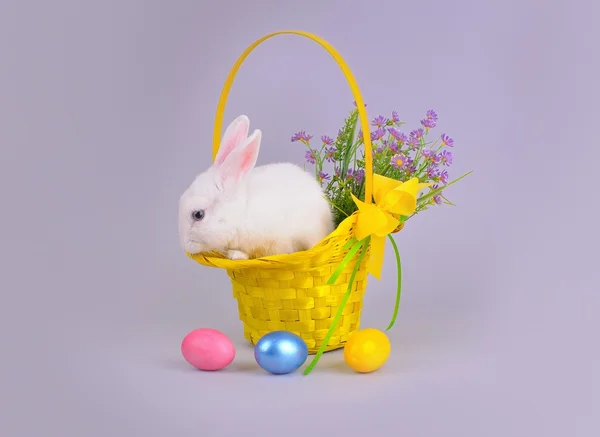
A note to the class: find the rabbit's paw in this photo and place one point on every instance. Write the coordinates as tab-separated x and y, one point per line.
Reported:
236	254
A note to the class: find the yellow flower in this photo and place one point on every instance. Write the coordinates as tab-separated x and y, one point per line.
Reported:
392	198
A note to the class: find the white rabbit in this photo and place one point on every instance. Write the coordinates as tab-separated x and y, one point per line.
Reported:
246	212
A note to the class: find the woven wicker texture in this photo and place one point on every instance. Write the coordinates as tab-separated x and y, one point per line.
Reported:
290	292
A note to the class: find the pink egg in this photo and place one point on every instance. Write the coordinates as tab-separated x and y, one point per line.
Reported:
207	349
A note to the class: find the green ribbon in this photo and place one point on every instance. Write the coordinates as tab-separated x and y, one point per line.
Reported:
354	247
399	286
363	244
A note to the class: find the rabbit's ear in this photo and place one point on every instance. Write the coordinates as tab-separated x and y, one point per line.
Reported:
242	160
234	135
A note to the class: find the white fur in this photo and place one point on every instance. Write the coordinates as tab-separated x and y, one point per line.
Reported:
271	209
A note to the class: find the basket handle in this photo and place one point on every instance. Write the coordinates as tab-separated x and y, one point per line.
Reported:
364	121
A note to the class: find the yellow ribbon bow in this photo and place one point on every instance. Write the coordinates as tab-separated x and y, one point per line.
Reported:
377	220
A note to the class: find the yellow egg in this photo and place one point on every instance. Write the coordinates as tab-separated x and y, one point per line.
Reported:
367	350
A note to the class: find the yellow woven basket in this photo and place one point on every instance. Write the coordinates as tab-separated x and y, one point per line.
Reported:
291	292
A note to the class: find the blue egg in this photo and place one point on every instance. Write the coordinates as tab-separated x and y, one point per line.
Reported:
280	352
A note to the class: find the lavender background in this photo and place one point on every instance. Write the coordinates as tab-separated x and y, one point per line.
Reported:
106	110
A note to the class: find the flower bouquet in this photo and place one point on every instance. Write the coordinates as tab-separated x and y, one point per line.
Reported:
396	155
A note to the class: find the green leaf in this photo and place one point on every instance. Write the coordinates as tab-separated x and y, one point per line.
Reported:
348	133
426	197
447	202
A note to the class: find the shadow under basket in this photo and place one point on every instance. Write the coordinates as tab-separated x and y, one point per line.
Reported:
290	292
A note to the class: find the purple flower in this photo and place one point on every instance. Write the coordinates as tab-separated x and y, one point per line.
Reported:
379	121
337	171
310	156
398	161
430	120
444	177
431	115
428	123
378	134
445	157
394	146
323	176
395	117
447	141
432	172
329	154
411	168
430	155
357	175
327	140
394	132
414	143
301	136
401	137
417	133
437	198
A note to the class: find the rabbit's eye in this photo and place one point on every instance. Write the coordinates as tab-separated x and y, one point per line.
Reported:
198	214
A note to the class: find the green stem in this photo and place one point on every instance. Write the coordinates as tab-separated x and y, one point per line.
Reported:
419	151
419	171
316	155
432	193
338	208
349	145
